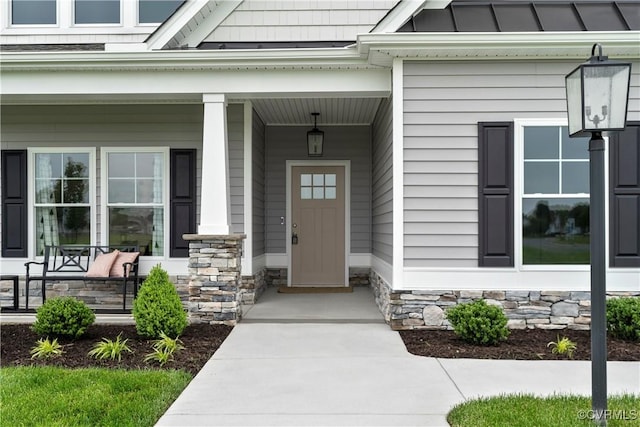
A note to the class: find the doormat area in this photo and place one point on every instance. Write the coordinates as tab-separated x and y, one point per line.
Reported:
314	289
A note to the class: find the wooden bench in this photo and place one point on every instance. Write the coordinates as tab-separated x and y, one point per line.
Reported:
78	262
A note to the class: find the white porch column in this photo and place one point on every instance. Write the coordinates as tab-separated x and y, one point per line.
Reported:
215	215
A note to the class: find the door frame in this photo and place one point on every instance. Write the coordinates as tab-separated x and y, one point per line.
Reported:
347	209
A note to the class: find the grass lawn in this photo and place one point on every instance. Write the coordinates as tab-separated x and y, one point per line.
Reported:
48	396
555	411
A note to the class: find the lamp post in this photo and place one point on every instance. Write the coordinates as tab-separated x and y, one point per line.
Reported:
597	97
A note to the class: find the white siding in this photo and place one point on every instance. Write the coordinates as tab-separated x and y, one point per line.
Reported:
382	184
341	143
301	20
176	126
443	103
258	189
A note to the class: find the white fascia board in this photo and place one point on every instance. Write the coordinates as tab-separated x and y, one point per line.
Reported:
92	86
397	16
183	59
176	22
525	45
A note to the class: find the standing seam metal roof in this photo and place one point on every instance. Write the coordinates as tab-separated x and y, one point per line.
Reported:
521	16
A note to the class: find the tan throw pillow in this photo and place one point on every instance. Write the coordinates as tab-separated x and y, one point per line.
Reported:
116	268
102	264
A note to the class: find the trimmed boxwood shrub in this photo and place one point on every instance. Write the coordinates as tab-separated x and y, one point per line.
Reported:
478	323
63	316
157	308
623	318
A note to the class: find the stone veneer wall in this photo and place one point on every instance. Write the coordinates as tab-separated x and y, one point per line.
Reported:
215	294
524	309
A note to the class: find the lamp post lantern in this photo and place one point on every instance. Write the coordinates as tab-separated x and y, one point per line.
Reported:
597	98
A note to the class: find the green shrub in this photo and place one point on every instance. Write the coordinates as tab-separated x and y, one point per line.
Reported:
63	316
623	318
479	323
158	309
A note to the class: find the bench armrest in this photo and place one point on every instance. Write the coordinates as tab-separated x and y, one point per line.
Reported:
27	265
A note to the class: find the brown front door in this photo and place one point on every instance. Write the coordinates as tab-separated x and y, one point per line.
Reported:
318	226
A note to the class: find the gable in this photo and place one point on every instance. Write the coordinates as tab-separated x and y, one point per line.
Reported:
300	20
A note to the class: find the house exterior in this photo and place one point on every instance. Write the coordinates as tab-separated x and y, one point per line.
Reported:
446	171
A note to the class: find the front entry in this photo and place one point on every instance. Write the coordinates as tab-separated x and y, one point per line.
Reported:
318	226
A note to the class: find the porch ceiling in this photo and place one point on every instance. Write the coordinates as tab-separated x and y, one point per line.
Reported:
333	111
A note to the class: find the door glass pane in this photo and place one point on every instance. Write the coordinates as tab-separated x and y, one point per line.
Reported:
305	179
575	177
33	12
541	142
318	179
330	179
156	11
541	177
330	192
97	11
318	192
305	193
555	231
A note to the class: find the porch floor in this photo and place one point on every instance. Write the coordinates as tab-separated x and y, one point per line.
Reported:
355	307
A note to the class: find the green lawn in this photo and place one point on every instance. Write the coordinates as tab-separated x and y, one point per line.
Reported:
47	396
556	411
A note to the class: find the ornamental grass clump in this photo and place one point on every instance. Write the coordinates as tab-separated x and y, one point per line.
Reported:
478	323
623	318
63	317
157	308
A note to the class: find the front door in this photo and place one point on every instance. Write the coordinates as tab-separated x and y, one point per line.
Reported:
318	226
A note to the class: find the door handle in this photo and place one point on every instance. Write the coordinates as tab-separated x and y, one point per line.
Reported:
294	238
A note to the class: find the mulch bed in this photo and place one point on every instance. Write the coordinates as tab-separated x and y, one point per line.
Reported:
527	344
200	342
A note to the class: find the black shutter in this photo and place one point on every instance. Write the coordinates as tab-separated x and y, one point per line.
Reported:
14	203
495	194
183	200
624	193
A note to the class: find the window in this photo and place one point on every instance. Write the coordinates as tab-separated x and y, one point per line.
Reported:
97	11
317	186
555	196
33	12
62	193
135	193
155	11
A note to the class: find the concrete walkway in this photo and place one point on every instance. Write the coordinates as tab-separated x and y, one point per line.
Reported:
329	360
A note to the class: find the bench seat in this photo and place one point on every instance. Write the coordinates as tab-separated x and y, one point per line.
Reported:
73	262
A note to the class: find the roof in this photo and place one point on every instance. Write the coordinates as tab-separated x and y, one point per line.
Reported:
527	16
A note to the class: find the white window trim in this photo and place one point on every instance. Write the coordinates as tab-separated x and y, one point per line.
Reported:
104	178
31	234
65	21
519	125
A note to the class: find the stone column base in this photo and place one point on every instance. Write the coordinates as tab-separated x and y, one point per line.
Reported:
214	278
